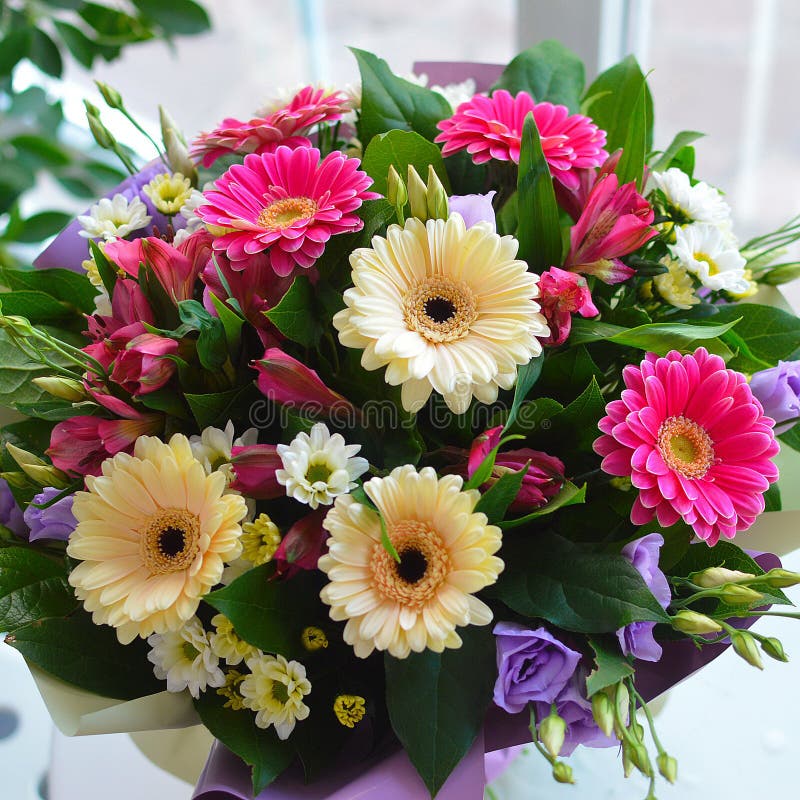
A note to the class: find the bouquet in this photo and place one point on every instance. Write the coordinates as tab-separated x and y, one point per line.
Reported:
399	418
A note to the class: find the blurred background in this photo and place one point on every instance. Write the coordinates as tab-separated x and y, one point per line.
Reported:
724	67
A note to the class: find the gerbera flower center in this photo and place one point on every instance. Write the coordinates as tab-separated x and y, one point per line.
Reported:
685	446
170	542
283	213
424	563
440	309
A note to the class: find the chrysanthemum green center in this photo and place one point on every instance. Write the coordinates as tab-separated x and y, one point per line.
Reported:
285	212
440	309
280	692
190	652
685	446
170	541
318	472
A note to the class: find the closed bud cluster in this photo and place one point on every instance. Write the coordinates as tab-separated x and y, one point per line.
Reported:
428	201
745	645
713	577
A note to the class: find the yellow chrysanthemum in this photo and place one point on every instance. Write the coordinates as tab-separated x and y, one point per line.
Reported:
226	644
675	285
260	540
168	193
349	709
230	691
154	531
444	308
446	554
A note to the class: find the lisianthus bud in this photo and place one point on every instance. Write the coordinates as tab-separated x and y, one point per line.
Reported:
668	767
603	712
437	197
781	578
46	475
396	192
552	732
417	195
693	622
178	156
15	479
774	649
640	759
112	97
627	762
24	457
717	576
562	772
62	388
745	645
622	700
739	595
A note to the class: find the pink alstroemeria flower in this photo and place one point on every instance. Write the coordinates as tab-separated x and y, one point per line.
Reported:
303	544
129	307
254	469
615	221
562	294
142	367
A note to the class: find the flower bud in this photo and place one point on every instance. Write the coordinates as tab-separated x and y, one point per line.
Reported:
178	156
16	326
15	479
692	622
562	772
437	196
168	123
636	730
627	762
46	475
417	195
396	192
640	759
735	594
552	732
622	701
24	457
774	649
781	578
62	388
668	767
102	135
112	97
745	645
603	712
717	576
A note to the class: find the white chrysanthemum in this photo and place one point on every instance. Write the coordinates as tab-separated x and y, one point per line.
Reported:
154	532
692	203
213	447
275	690
114	218
317	467
446	553
705	251
444	308
185	659
227	644
675	286
169	193
454	93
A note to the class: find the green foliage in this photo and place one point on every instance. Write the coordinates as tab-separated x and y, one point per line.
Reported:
569	495
62	285
681	140
401	149
294	317
610	665
500	495
631	163
527	375
437	702
212	344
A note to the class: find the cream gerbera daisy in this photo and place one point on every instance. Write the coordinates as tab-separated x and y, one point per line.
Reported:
153	533
185	659
275	690
317	467
446	554
444	308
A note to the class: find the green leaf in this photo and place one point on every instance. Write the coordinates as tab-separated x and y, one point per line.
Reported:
33	586
631	163
216	408
614	96
42	150
43	226
293	316
261	749
176	16
389	102
108	273
62	284
212	345
527	376
13	48
270	614
578	421
569	371
791	438
89	656
37	307
658	337
610	665
549	72
539	232
500	495
437	702
231	322
82	48
44	53
115	27
569	495
16	375
680	141
401	149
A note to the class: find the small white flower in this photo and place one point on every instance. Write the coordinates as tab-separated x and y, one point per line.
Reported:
675	286
705	251
454	93
213	448
698	203
275	690
319	467
185	659
114	218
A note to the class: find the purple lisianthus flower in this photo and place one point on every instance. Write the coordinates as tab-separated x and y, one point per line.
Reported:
473	208
10	513
637	638
54	522
532	665
778	390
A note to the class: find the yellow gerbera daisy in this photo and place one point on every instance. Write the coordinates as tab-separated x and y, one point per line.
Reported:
154	531
446	554
444	308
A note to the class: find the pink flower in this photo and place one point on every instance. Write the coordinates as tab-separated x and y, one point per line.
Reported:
288	201
543	479
693	440
615	221
142	367
128	307
254	469
491	127
562	294
285	126
79	445
285	380
303	544
573	199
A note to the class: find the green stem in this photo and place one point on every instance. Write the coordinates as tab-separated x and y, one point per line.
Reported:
650	721
159	149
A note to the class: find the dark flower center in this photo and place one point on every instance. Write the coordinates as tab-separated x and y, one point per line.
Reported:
413	565
172	541
440	309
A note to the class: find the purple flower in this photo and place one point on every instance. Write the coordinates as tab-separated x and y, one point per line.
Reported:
637	638
778	390
473	208
10	512
54	522
532	665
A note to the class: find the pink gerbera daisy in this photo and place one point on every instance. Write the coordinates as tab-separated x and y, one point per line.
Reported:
289	202
491	127
694	441
284	126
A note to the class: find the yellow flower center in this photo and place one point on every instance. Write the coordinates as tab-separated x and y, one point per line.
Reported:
685	447
349	709
280	692
230	691
260	540
313	639
190	652
170	541
424	563
713	269
283	213
440	309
